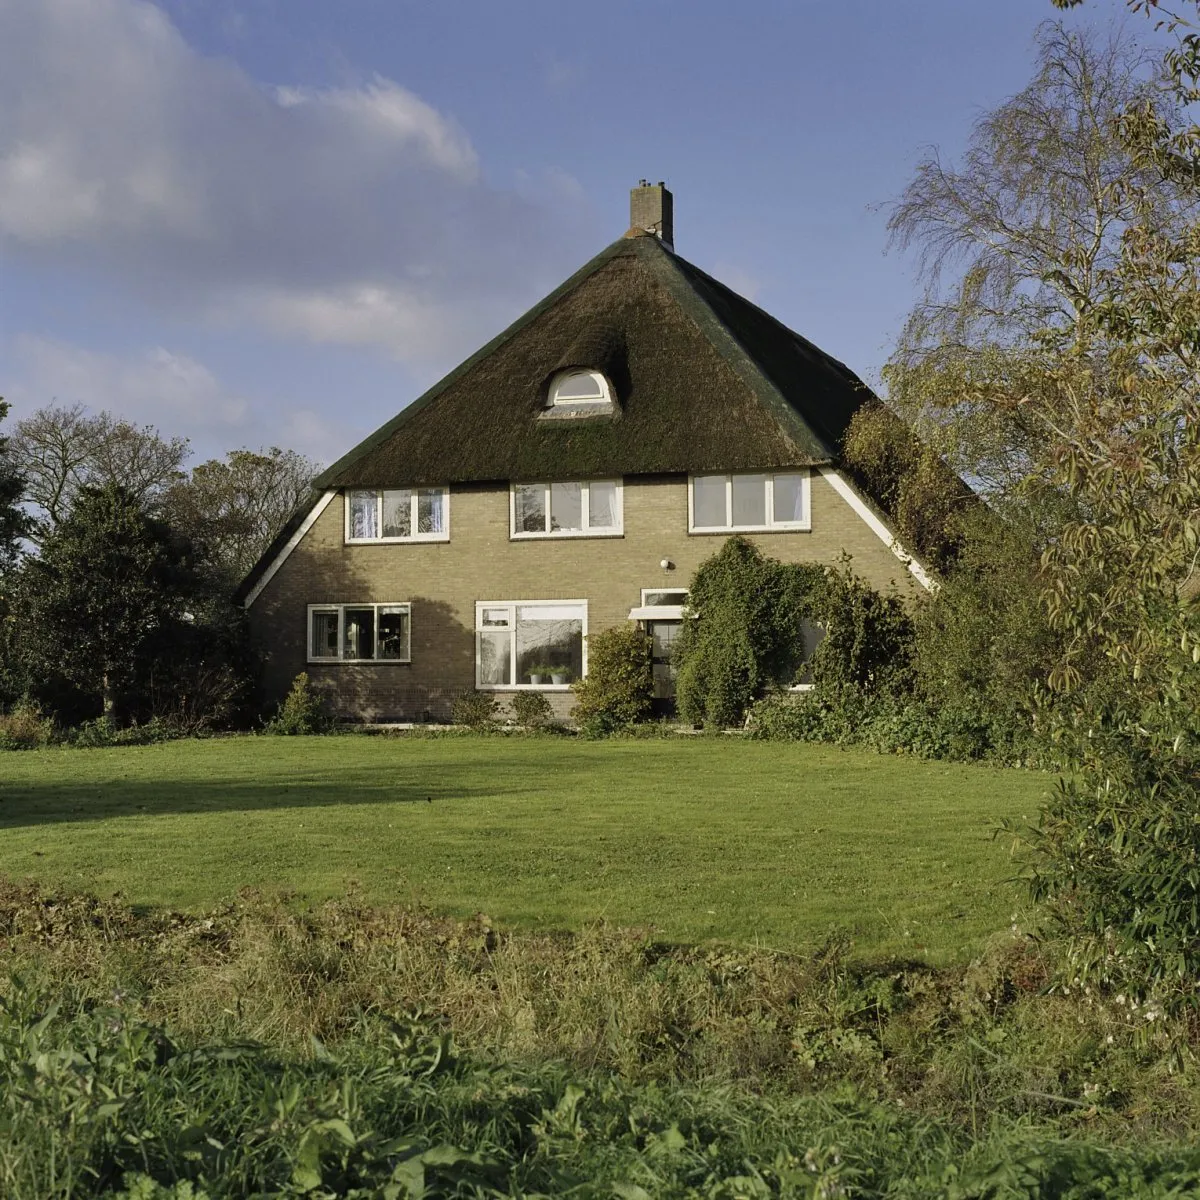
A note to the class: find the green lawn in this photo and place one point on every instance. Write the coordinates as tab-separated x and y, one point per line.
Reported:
696	837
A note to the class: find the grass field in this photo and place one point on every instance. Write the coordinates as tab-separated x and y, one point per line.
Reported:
698	838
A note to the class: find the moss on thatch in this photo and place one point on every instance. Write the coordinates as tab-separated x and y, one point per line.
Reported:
704	380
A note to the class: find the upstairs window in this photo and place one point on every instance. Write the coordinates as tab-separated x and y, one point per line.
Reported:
579	387
588	508
359	633
399	515
745	503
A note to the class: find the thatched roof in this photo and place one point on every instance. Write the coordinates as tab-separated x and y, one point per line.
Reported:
703	381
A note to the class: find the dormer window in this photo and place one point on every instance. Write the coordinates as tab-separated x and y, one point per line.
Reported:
579	387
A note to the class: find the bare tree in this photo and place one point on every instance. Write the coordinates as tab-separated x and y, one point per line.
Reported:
235	507
61	450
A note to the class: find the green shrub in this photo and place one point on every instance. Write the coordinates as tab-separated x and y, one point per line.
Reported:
868	642
748	634
532	710
301	711
619	683
476	710
24	727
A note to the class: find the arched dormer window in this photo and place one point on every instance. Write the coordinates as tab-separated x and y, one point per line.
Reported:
579	387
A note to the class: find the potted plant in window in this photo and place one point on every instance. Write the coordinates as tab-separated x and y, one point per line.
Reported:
539	673
560	675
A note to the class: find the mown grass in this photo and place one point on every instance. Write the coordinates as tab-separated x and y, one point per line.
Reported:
697	838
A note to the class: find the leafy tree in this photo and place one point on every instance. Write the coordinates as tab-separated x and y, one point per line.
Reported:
1105	394
60	451
95	603
234	508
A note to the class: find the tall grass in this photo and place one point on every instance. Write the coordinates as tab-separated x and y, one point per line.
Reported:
967	1045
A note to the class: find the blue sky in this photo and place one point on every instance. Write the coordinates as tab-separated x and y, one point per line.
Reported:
256	222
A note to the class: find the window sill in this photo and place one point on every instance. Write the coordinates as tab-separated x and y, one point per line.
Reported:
358	662
398	541
522	687
564	534
710	531
802	687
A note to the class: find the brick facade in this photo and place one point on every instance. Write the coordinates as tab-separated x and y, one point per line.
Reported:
443	581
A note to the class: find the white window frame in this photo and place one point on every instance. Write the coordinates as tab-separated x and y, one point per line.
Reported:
412	537
617	530
771	526
512	606
553	401
340	609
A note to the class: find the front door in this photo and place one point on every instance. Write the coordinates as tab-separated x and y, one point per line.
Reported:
662	641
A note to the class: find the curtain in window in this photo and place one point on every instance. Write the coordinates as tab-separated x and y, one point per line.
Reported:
788	498
566	507
324	635
602	506
431	510
364	515
708	502
397	513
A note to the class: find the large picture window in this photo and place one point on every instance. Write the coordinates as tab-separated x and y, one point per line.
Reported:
360	633
748	502
589	508
398	515
529	643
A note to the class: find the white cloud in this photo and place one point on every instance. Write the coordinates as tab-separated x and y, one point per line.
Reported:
174	392
156	387
350	214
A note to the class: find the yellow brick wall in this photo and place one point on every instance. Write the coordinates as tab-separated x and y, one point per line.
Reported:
443	581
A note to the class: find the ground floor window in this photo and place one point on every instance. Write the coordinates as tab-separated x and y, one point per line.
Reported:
529	643
359	632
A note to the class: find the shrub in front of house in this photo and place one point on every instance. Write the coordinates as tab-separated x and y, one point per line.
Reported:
619	685
532	710
301	711
475	710
747	635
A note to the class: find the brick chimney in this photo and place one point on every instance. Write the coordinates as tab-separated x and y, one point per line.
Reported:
651	210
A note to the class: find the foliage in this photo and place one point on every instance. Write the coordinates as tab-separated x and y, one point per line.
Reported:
14	524
235	507
114	616
867	642
746	634
24	727
906	476
131	1054
62	451
475	710
301	711
1088	372
532	710
891	724
617	691
108	581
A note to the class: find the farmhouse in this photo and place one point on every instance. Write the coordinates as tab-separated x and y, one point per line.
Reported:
569	476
